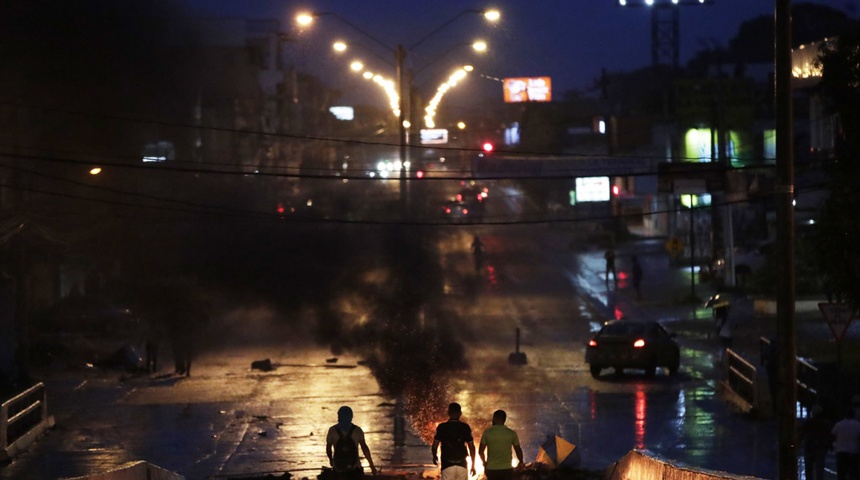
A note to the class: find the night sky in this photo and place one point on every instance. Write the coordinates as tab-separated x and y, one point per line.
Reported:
568	40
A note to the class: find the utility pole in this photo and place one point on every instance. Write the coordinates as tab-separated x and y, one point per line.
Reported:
783	196
402	92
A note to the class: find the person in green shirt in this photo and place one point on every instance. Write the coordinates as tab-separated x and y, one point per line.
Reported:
495	449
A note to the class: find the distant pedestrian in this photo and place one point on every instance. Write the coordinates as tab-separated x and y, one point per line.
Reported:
816	439
637	277
182	344
455	437
609	256
495	449
846	444
478	253
151	350
341	445
726	335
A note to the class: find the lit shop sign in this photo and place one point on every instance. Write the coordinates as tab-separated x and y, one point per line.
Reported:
342	113
434	136
528	89
592	189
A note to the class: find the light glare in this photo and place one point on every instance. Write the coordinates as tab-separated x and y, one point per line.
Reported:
304	19
430	110
492	15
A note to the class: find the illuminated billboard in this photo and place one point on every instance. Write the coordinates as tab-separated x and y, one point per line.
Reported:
342	113
592	189
434	136
528	89
698	146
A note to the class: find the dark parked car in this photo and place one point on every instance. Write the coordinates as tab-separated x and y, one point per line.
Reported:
87	329
636	344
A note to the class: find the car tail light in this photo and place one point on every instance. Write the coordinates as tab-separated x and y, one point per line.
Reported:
459	197
639	343
592	343
465	211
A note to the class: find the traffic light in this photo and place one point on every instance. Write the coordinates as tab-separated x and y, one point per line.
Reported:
487	147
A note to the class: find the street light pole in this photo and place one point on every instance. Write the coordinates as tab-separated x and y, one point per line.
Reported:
400	58
402	90
784	195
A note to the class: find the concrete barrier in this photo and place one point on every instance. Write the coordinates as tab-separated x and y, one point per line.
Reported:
138	470
643	465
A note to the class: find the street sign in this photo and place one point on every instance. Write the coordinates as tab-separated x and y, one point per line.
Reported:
674	246
838	316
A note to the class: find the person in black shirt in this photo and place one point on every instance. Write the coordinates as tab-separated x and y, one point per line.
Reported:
455	438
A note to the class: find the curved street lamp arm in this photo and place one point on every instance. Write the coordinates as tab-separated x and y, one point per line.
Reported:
358	29
441	27
435	59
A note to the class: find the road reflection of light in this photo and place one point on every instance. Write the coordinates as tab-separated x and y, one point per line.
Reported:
491	275
581	283
680	410
592	404
699	362
622	279
641	404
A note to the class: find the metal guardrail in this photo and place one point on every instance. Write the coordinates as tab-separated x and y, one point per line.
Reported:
742	378
748	386
23	418
808	377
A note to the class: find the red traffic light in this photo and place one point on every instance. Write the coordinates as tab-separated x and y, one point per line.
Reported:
487	147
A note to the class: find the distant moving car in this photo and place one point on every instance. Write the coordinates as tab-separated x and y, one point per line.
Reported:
473	194
457	211
643	345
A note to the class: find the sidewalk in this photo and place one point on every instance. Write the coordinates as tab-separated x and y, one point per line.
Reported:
669	296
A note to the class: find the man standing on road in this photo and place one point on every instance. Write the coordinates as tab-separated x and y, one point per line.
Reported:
455	437
341	446
495	449
637	277
846	443
816	439
609	256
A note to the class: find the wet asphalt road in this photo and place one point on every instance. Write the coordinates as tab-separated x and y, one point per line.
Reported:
227	420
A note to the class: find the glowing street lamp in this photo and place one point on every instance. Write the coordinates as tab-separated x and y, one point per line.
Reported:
430	110
492	15
305	19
